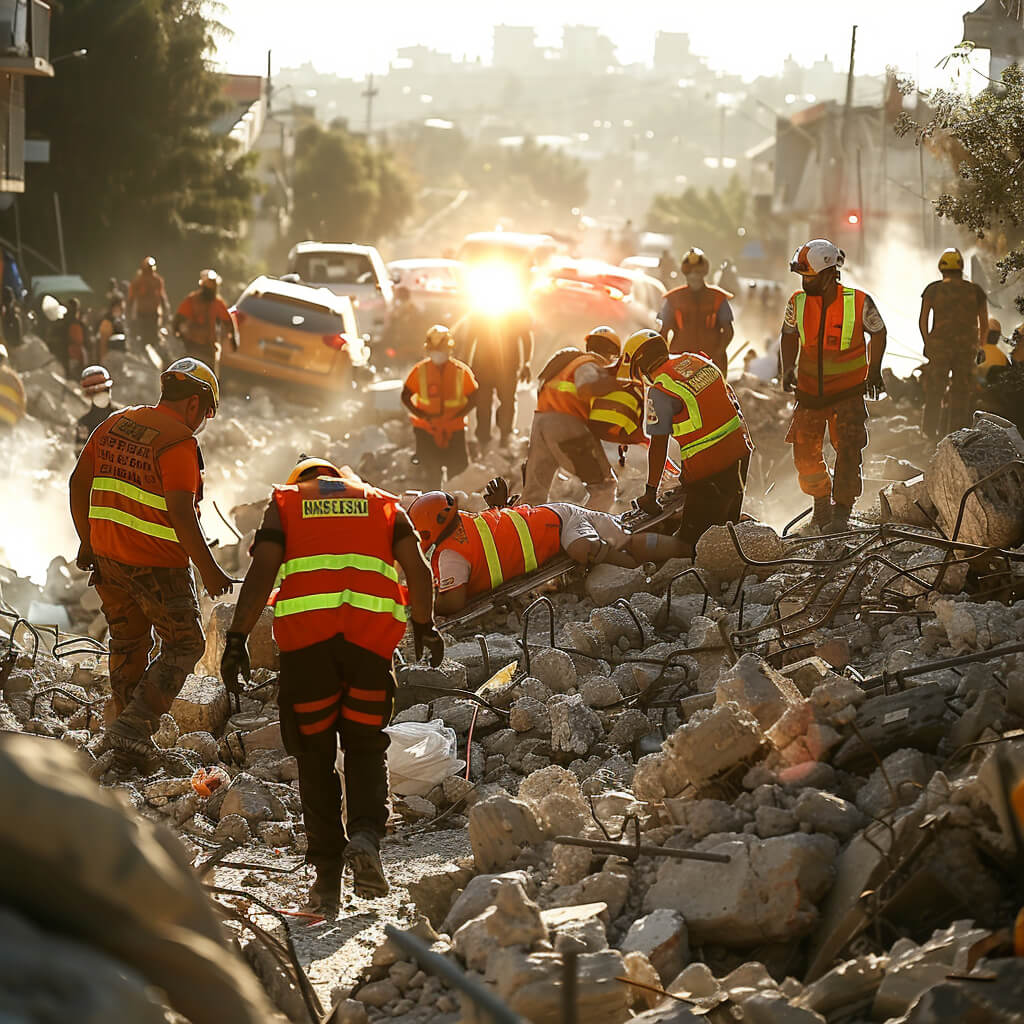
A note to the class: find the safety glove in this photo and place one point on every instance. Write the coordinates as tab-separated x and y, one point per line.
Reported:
496	494
875	387
424	634
789	380
649	502
234	663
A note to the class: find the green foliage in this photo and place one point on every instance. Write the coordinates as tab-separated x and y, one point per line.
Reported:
710	220
344	190
132	158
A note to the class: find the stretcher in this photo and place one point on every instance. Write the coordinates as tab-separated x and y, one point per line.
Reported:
637	521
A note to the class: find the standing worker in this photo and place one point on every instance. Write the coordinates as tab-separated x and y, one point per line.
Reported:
438	393
561	434
148	305
338	617
688	399
828	362
697	317
203	320
12	393
134	499
96	386
954	327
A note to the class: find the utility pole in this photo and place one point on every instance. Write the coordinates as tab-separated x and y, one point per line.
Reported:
270	87
839	186
368	94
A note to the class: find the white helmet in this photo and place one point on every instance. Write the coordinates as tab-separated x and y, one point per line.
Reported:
817	255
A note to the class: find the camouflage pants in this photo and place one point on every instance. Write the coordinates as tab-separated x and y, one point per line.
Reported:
947	361
138	602
846	422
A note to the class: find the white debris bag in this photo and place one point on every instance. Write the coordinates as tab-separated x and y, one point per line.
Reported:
421	755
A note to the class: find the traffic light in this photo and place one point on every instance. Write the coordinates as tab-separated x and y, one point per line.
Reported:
853	218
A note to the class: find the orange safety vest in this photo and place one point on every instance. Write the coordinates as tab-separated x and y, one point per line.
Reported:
695	319
502	543
127	507
338	575
147	291
833	360
441	389
618	416
12	397
205	318
710	428
559	393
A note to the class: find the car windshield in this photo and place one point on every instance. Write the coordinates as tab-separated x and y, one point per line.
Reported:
335	268
285	311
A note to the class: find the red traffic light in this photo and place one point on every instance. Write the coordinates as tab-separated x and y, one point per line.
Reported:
853	218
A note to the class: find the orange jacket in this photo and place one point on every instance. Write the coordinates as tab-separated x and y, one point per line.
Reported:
203	318
695	318
127	505
338	574
442	391
559	393
502	543
833	361
710	428
147	292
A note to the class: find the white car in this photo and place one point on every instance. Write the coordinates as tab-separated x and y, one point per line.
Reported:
347	269
434	284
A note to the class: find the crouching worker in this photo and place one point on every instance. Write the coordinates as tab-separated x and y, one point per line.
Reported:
339	614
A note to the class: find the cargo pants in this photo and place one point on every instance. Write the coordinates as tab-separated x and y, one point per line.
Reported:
559	441
138	602
846	423
948	360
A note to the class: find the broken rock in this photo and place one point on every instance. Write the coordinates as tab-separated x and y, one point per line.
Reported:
663	938
499	827
756	687
201	705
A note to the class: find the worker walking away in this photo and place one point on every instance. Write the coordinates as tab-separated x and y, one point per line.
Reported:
689	399
71	341
148	305
697	317
954	326
561	436
111	335
203	321
828	362
499	350
338	617
438	393
12	393
134	500
97	385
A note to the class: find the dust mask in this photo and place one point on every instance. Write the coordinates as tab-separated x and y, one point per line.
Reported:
101	399
439	358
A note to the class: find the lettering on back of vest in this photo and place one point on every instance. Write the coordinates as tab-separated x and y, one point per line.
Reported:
319	508
132	431
703	378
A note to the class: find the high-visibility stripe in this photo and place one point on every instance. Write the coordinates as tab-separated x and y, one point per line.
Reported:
689	450
849	317
617	419
6	391
361	717
456	402
621	398
315	563
322	725
523	529
490	551
115	515
112	486
369	695
321	602
564	385
694	420
308	706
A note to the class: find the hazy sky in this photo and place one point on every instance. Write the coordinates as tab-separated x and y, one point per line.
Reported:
746	36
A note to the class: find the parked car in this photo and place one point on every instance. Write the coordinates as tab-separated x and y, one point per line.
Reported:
436	286
296	334
347	269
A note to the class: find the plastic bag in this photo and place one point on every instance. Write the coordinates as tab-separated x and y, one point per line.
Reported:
421	755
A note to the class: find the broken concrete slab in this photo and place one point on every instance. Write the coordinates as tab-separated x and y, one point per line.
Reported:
575	728
851	984
825	812
716	553
663	938
756	687
201	705
499	827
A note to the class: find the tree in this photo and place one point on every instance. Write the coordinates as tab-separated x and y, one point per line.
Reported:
133	159
710	220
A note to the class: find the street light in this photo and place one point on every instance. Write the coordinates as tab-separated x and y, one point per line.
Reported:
73	55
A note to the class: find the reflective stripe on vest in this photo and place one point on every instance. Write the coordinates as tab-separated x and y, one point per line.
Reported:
849	317
689	450
322	602
136	494
423	390
694	420
311	563
112	486
619	419
491	549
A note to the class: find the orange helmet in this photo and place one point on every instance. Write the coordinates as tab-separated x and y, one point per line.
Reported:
321	467
431	514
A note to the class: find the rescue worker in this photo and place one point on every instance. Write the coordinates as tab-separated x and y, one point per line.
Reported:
148	305
111	334
499	347
688	399
954	326
438	393
697	317
134	498
203	321
338	617
96	385
561	435
829	363
990	356
12	393
71	341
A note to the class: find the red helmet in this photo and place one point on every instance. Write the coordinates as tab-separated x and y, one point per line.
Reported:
431	514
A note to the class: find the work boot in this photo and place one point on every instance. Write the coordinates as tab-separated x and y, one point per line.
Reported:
129	736
362	859
840	518
325	893
822	512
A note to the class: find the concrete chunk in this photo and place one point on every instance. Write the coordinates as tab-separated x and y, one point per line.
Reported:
498	829
756	687
663	938
201	705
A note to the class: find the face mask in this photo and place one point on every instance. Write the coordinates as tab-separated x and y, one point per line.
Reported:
439	358
101	400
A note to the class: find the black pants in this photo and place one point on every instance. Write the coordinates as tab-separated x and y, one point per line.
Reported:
329	691
504	388
714	501
433	458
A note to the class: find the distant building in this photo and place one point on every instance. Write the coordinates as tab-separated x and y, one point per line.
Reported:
584	48
996	26
673	56
515	47
24	52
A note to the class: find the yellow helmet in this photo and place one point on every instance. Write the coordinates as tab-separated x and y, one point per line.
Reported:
304	465
609	334
438	337
695	260
197	373
951	259
635	343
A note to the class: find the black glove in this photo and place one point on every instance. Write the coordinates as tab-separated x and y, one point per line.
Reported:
424	634
789	380
979	357
623	452
875	385
649	502
234	663
496	494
